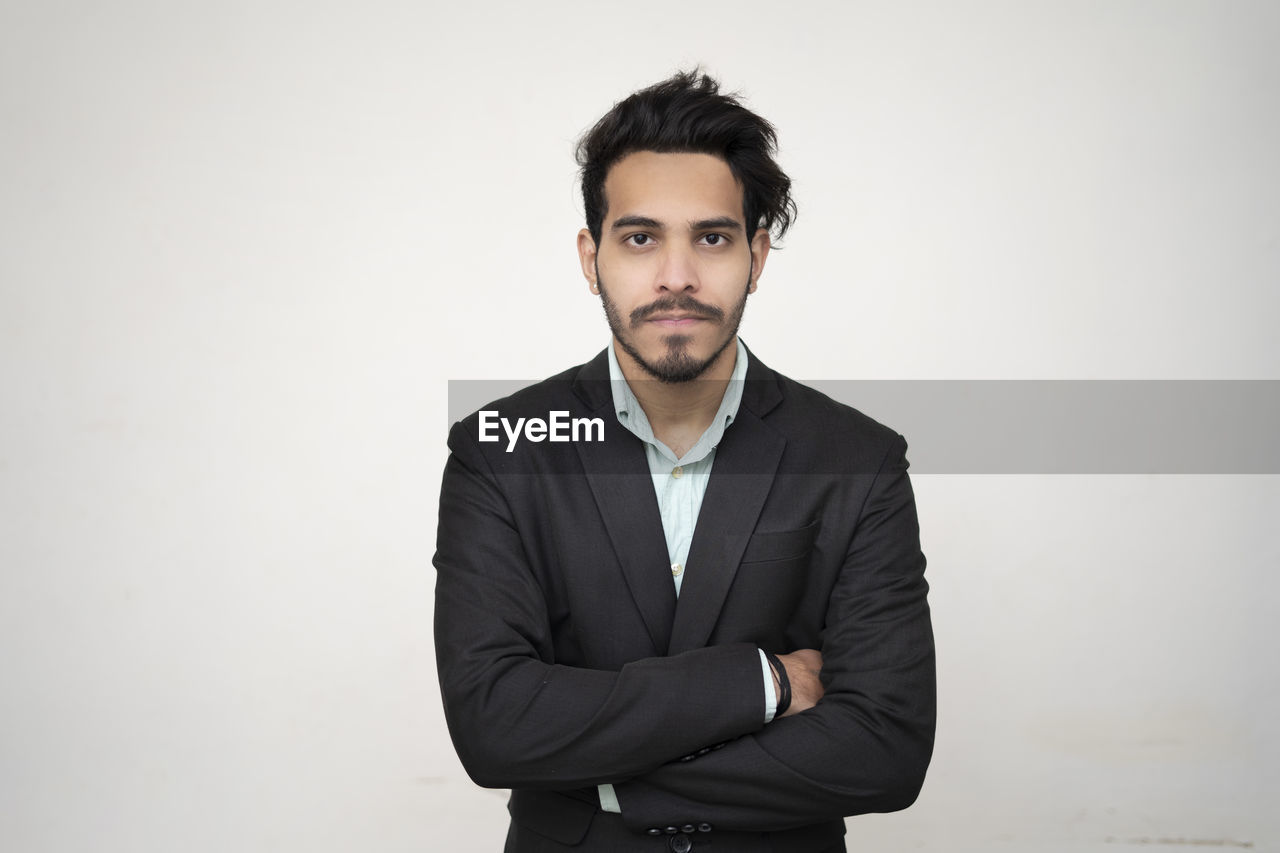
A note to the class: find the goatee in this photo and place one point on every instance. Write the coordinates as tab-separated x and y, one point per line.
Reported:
676	364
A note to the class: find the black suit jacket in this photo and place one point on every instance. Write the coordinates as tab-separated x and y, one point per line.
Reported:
566	661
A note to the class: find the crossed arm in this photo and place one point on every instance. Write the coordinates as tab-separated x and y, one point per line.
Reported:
518	721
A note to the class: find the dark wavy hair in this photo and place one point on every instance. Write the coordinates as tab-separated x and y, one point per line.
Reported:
687	113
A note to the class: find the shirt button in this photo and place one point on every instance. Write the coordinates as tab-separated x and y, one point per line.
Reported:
677	471
676	570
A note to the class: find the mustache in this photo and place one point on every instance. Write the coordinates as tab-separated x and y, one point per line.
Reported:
684	303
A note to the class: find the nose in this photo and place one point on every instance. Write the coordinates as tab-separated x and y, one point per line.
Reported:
678	271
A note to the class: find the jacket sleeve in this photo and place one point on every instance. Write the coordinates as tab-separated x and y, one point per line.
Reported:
518	719
866	744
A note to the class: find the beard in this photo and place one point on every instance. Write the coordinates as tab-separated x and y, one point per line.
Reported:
676	363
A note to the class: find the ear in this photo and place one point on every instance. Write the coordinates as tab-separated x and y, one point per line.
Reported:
587	257
759	252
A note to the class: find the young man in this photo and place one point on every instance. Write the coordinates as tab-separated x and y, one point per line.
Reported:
680	600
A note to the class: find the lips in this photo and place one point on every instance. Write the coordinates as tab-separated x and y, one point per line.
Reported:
677	319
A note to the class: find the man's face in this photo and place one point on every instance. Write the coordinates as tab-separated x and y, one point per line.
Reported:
674	264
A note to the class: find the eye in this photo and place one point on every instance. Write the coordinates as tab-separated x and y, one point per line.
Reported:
639	239
715	239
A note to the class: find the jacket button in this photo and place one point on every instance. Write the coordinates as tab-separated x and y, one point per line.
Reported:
672	830
680	844
688	827
654	830
704	827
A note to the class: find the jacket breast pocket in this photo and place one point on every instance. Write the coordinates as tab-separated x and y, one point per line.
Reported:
768	546
767	588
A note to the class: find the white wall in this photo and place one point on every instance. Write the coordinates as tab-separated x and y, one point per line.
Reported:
245	245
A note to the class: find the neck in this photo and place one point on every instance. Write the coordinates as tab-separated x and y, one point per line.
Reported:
679	412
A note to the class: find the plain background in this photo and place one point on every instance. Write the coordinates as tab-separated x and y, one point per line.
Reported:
243	247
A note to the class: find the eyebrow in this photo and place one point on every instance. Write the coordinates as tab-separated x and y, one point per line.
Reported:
724	223
721	222
635	222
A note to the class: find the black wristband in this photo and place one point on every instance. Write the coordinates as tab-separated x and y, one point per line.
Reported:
784	683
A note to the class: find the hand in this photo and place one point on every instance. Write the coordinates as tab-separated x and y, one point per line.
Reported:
803	667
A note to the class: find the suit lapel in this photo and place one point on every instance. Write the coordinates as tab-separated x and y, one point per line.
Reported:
741	477
618	474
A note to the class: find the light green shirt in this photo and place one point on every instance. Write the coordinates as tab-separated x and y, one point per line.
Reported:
680	483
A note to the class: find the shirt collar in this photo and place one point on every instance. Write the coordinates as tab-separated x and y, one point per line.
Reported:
631	415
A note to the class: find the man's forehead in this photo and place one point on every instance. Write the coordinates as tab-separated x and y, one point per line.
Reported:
673	188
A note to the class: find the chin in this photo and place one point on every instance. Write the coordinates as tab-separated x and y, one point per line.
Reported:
678	365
